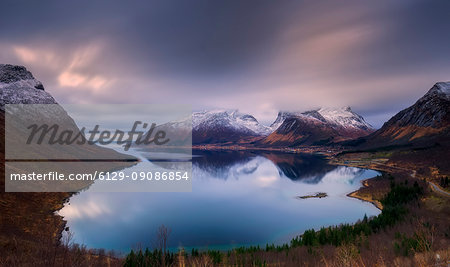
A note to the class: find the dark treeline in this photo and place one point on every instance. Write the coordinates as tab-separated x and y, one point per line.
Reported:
394	209
149	258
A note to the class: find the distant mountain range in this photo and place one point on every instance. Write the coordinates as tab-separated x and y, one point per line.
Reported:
425	123
231	127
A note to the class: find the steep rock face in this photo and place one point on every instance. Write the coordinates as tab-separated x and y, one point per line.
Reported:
317	127
424	123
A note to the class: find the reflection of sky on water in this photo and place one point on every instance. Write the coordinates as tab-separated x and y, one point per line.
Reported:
235	200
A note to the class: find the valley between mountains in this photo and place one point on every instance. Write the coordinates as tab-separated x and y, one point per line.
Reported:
413	147
319	127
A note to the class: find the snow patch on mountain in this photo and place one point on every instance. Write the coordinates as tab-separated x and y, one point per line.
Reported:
18	86
338	117
229	119
344	117
282	115
441	89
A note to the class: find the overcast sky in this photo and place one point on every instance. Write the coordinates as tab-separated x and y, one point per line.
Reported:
257	56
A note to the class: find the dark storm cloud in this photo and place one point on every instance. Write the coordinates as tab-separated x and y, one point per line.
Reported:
182	36
259	56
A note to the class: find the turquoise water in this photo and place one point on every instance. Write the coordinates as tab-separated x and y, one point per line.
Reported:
237	199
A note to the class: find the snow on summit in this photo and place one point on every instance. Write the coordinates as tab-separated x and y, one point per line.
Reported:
441	88
344	117
230	119
340	117
17	85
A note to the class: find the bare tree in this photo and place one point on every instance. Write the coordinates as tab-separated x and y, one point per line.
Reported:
201	261
162	237
67	244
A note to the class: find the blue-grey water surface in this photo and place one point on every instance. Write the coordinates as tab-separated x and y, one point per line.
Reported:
237	198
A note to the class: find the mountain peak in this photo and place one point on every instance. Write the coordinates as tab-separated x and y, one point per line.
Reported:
19	76
340	117
440	89
344	117
214	125
18	86
12	73
424	123
341	110
317	127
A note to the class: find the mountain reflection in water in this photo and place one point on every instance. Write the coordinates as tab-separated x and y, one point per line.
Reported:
297	167
237	199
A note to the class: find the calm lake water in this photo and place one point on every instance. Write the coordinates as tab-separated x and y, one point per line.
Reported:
237	199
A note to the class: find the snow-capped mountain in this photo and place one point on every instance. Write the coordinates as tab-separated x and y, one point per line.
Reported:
424	123
231	127
339	117
431	110
229	118
18	86
282	115
223	126
315	127
218	127
345	118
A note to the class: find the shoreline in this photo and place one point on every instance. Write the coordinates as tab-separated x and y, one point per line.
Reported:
353	194
331	159
365	184
325	151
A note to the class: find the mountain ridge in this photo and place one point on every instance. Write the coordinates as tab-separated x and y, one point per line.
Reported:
225	126
231	127
424	123
316	127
